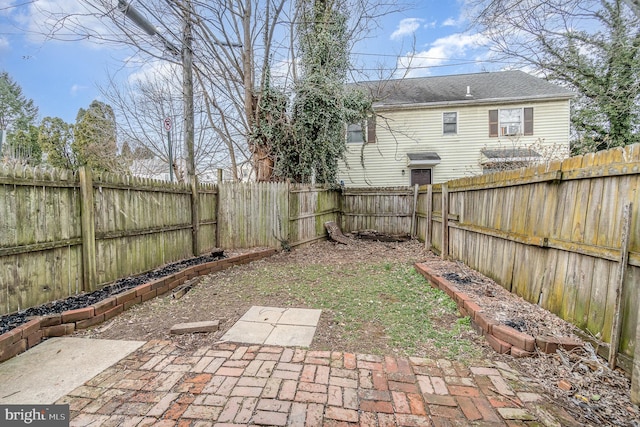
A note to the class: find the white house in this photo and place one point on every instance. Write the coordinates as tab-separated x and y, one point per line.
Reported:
434	129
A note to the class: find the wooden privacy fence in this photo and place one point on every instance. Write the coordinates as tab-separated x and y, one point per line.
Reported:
554	235
274	214
63	233
385	210
40	237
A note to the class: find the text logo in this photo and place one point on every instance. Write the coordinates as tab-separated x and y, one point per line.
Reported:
34	415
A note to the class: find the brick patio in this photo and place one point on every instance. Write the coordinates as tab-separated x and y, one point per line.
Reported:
229	384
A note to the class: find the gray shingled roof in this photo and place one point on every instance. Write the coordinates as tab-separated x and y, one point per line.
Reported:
483	87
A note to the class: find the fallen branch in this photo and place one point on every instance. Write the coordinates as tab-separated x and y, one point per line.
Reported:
335	233
181	290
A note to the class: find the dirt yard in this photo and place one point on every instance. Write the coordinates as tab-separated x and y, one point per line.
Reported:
597	396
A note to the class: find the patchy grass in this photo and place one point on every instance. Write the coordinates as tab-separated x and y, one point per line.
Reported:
385	302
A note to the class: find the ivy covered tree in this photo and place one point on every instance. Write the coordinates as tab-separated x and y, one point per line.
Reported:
319	111
590	46
94	142
271	137
17	115
55	136
607	114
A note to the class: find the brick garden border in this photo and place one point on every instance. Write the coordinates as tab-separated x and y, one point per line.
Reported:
502	338
29	334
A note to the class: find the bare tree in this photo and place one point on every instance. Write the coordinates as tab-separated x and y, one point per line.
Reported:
143	104
235	46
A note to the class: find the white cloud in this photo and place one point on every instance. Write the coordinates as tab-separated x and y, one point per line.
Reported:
157	70
77	88
442	51
406	27
4	44
451	22
44	20
431	24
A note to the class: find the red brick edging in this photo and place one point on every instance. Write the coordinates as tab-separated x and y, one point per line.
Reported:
503	338
31	333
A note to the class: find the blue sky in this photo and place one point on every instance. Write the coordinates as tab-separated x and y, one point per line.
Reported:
63	76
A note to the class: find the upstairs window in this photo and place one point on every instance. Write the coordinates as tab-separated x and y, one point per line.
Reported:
449	123
511	122
357	135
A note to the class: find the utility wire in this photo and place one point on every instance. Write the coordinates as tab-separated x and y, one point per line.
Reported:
14	6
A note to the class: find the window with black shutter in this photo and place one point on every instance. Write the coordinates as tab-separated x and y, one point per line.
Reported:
371	130
528	121
511	122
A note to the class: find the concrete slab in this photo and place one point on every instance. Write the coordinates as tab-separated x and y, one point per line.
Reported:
248	332
291	336
263	314
293	327
57	366
300	316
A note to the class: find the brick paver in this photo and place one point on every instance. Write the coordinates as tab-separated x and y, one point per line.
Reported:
235	385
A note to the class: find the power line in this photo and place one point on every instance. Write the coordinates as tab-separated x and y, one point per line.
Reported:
14	6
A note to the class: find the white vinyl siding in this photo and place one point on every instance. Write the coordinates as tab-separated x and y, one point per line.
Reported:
420	130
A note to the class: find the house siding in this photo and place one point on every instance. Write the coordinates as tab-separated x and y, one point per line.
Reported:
420	129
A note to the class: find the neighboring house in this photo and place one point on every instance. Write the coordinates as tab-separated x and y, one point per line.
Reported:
434	129
153	167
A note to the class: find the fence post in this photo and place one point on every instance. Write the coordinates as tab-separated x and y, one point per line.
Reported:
340	220
195	216
444	254
635	367
217	213
625	230
429	231
287	216
88	227
414	216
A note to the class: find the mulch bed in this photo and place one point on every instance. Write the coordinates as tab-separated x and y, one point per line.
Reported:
13	320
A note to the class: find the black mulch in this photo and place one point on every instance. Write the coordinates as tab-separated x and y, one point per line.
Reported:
13	320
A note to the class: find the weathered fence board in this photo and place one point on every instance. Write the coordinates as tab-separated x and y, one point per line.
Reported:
551	234
40	256
208	217
309	208
252	214
387	211
135	225
140	224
